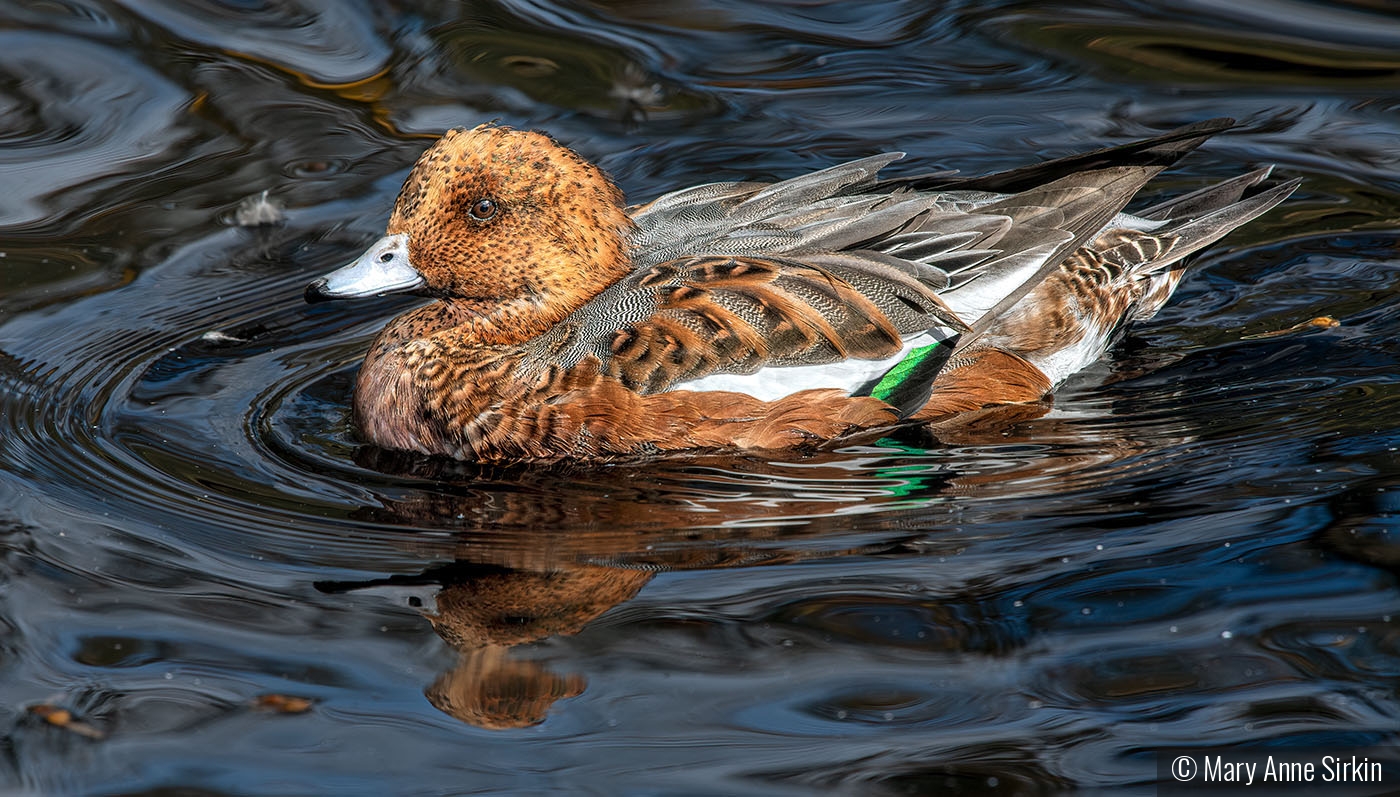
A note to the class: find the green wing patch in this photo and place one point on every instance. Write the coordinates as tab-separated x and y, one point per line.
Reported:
907	385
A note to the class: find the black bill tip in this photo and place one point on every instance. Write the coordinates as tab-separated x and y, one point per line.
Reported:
316	292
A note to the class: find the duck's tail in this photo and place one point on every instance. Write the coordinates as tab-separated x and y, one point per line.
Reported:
1067	320
1064	315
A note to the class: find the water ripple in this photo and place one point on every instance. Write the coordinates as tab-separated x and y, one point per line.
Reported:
70	125
328	44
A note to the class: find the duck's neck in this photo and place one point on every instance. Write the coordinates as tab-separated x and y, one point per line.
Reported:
493	323
468	323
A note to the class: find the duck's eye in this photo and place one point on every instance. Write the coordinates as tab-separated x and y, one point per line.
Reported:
482	209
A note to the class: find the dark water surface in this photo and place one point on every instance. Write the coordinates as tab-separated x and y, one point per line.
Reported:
1197	546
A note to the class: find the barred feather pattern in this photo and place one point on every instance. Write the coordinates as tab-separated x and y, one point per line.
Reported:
684	319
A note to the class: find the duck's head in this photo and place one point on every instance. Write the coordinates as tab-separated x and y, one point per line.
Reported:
494	216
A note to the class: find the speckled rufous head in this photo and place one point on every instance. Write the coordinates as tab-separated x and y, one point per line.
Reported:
496	215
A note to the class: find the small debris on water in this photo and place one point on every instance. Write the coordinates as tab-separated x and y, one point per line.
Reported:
63	718
283	704
259	210
216	338
1321	322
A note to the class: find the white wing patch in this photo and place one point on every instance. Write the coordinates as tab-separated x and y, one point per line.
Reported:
775	382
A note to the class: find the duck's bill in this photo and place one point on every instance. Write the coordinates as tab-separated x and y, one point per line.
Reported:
383	268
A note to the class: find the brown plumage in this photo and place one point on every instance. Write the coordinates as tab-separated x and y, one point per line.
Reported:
748	316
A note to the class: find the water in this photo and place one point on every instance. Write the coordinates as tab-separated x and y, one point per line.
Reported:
1196	547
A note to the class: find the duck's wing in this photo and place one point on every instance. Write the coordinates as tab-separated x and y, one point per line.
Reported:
766	288
804	213
692	317
861	289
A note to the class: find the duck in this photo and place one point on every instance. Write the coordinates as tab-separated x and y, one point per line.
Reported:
753	317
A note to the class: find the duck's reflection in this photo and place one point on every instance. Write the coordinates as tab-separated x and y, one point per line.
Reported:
486	611
490	689
483	616
483	611
541	552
